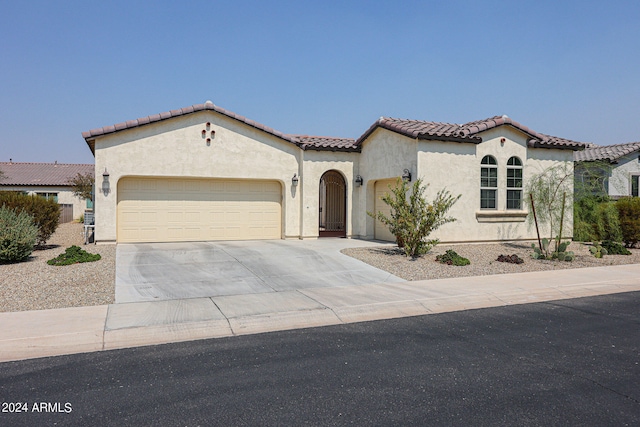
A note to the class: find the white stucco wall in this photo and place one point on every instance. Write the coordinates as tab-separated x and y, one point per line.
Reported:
176	148
384	155
65	196
456	167
620	180
315	164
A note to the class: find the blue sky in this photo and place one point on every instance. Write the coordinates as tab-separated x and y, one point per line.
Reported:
565	68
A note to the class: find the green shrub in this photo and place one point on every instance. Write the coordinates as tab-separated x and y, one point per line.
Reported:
629	214
595	219
452	258
73	255
45	213
608	222
17	235
413	218
615	248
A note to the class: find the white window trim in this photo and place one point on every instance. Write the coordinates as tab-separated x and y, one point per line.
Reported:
521	188
497	193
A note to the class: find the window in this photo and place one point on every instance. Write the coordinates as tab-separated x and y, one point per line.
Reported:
634	185
514	183
488	182
49	196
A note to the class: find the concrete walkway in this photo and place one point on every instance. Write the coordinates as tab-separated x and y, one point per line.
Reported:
85	329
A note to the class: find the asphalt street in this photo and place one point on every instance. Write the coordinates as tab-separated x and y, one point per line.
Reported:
569	362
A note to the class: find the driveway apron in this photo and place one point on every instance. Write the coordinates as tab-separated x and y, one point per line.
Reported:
165	271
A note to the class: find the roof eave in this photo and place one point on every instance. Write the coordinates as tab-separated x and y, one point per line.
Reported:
538	144
341	149
91	135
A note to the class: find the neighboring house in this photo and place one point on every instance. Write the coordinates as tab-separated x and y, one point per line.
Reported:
49	180
204	173
615	167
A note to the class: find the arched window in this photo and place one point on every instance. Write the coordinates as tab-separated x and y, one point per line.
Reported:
514	183
488	182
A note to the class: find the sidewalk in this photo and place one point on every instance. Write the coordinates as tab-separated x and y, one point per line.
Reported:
32	334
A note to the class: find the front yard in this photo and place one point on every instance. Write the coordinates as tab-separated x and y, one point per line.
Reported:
34	285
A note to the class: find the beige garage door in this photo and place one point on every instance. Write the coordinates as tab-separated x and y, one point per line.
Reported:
382	231
179	210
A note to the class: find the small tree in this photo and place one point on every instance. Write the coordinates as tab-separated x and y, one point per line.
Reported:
551	191
82	186
413	219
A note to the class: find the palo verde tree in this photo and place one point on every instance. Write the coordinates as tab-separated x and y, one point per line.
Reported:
550	195
413	218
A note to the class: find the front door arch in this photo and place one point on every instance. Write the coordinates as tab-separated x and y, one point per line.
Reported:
333	205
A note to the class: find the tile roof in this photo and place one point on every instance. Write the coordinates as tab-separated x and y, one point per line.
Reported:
207	106
325	143
57	174
609	153
468	132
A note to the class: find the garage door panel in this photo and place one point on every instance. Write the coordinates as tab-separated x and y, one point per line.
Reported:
157	210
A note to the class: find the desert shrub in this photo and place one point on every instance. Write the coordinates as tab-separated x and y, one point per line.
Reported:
615	248
629	214
608	222
513	259
73	255
17	235
45	213
414	218
452	258
596	218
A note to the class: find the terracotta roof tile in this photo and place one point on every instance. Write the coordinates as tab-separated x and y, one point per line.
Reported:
467	132
41	173
610	153
325	143
93	133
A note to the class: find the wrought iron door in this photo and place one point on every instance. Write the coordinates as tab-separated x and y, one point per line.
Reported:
333	197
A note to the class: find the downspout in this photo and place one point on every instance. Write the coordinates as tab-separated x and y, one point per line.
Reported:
301	193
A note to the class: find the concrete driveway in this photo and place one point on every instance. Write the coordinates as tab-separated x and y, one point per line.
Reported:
166	271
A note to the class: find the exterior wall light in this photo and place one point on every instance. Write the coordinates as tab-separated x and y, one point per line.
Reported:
106	187
406	175
294	180
358	180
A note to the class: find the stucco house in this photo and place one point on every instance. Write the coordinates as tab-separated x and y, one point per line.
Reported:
616	167
49	180
205	173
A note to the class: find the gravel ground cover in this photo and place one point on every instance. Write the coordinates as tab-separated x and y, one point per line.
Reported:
483	259
35	285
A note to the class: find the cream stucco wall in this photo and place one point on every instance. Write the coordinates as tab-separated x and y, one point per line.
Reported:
384	155
456	167
176	148
315	164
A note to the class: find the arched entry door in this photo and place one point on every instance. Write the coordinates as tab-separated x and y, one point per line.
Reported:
333	206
